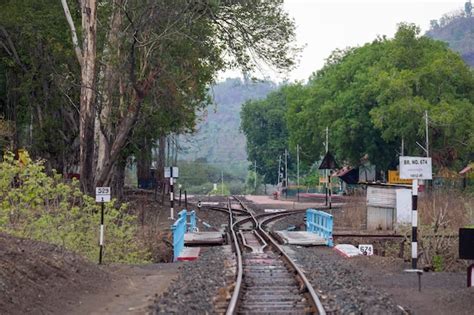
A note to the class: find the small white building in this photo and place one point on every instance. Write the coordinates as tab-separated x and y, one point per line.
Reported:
388	206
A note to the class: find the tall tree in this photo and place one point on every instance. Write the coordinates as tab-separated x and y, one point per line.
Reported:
372	97
87	61
248	31
38	88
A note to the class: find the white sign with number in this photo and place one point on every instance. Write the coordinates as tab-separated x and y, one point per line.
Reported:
168	172
366	250
102	194
415	167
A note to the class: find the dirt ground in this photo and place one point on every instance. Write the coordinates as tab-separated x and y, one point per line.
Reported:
40	278
131	291
441	292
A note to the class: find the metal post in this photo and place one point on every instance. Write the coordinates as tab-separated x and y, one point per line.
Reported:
255	181
426	134
414	224
222	183
171	194
329	189
185	199
279	169
180	197
101	235
326	171
286	173
403	146
298	172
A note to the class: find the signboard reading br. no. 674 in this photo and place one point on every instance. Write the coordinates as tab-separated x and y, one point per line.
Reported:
415	167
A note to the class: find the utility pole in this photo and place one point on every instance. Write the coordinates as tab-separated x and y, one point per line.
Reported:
222	183
426	135
403	146
326	172
279	170
286	173
298	171
255	181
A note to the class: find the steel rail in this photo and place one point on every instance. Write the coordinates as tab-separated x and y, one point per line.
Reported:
231	309
310	290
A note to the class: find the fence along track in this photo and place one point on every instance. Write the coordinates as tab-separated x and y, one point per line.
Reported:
267	281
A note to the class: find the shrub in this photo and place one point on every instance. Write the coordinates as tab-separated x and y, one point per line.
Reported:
46	208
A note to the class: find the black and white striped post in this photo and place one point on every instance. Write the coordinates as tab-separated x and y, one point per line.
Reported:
101	235
171	194
102	195
414	224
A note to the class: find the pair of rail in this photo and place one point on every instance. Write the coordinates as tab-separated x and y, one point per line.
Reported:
313	298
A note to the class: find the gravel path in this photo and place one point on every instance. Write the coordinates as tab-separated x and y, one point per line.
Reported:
197	286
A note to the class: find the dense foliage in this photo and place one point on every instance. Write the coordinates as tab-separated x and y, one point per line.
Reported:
83	96
264	125
46	208
372	97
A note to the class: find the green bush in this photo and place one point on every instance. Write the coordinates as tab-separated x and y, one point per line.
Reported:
46	208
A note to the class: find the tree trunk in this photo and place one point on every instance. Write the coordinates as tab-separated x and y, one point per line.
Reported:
144	164
109	84
118	179
160	175
88	93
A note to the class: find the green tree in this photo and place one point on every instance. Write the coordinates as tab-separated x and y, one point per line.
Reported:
372	96
263	123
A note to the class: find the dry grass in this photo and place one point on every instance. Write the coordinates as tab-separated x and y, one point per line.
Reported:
441	214
353	215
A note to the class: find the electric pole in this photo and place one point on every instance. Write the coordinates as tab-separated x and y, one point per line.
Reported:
286	173
255	181
298	171
426	133
279	170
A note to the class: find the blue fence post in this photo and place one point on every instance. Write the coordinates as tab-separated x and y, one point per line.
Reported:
178	229
321	223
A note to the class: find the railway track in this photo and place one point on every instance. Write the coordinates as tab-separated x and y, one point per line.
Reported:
268	281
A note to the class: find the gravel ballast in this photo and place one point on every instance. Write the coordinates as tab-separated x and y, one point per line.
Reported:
342	288
194	291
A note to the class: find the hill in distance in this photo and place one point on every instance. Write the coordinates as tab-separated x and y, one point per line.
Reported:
456	29
218	139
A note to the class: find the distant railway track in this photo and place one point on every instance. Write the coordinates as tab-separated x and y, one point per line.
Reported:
267	281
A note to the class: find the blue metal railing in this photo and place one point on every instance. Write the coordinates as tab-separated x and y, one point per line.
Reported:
321	223
178	229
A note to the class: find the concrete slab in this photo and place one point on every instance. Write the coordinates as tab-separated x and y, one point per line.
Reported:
301	238
347	250
189	253
201	238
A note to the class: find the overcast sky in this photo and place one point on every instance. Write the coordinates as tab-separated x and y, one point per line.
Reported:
324	25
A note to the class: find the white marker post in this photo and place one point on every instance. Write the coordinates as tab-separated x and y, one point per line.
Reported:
102	195
171	173
413	167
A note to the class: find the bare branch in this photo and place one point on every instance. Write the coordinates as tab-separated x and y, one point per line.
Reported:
75	41
12	49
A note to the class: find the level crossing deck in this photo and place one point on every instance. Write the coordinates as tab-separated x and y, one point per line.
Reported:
204	238
301	238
